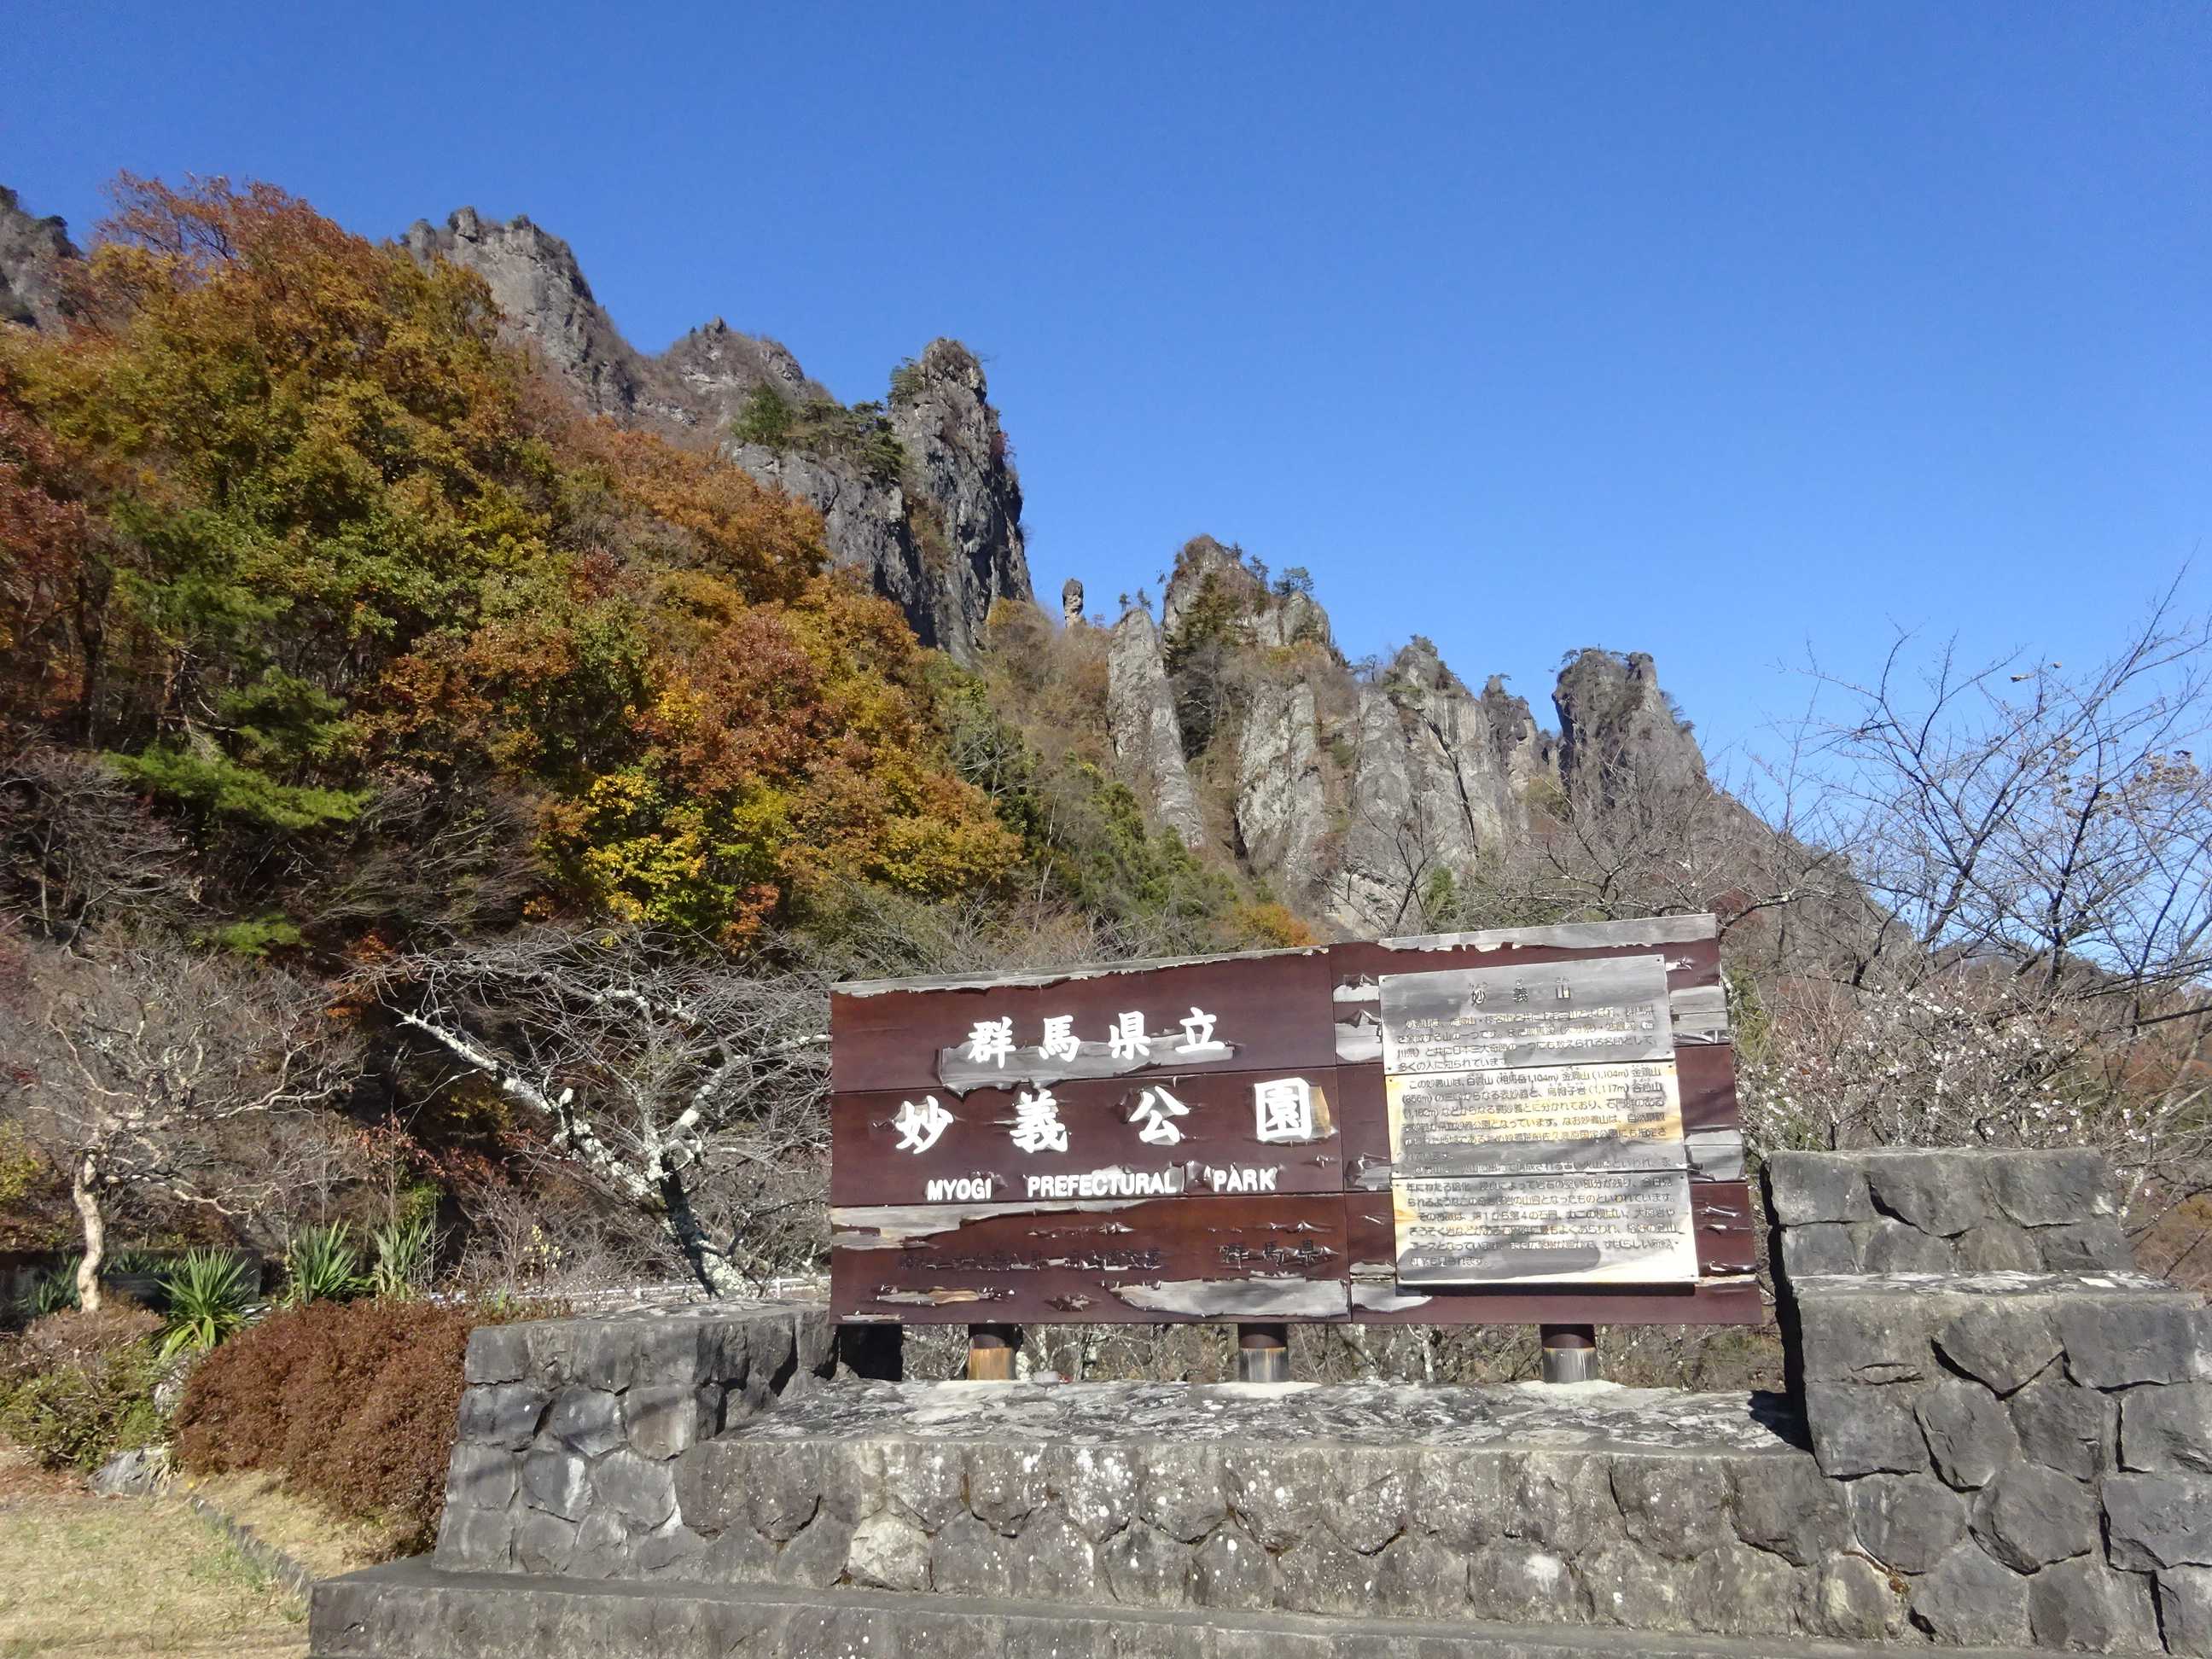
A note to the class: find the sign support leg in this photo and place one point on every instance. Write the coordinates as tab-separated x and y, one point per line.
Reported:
872	1351
1263	1353
990	1352
1569	1353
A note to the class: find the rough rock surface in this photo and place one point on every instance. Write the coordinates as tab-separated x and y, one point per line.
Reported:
941	537
2058	1409
1368	796
1617	729
35	255
959	457
1440	779
1282	802
1147	737
1970	1483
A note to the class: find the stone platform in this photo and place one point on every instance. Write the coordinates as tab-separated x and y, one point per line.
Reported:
1988	1461
411	1610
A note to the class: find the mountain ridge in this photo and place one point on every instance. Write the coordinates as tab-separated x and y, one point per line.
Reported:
1364	799
918	494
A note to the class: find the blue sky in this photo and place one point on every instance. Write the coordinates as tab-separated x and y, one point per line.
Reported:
1712	331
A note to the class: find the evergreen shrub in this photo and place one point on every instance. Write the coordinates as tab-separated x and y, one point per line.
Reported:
77	1388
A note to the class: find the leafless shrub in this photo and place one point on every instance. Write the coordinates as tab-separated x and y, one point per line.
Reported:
422	861
541	1235
2026	963
79	848
145	1071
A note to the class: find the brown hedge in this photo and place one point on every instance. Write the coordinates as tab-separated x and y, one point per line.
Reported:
354	1404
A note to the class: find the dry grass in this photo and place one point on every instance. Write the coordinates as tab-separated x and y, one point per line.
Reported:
326	1546
128	1578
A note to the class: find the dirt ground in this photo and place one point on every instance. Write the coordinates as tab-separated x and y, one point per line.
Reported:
128	1578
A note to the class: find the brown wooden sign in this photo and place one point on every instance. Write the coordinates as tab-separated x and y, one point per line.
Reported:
1537	1125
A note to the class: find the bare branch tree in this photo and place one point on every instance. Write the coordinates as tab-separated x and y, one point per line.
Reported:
2029	959
677	1084
141	1069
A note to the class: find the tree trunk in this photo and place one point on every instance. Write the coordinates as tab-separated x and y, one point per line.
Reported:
711	1268
85	1195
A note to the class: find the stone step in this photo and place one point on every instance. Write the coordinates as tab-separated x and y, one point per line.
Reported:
412	1610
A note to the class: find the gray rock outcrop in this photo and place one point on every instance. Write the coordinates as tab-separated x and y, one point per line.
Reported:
1617	730
939	531
958	455
1282	798
1442	780
1147	737
35	257
1070	603
1207	572
1359	795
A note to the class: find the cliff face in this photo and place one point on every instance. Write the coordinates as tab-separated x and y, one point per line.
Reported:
1617	729
35	255
932	519
1355	795
1282	817
1441	780
1147	737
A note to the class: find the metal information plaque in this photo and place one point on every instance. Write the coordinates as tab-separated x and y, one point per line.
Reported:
1546	1120
1536	1125
1629	1228
1465	1019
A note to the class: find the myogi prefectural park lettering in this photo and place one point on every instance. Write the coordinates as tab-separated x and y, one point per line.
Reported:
1520	1125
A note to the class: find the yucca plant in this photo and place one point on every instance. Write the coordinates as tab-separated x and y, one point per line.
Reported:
211	1293
322	1265
404	1250
55	1291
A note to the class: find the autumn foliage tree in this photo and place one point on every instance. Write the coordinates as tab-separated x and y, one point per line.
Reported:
288	527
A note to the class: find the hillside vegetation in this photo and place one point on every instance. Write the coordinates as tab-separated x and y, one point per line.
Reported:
444	768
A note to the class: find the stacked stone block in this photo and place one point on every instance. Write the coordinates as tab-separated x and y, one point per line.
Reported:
635	1449
2024	1450
569	1428
1945	1212
1651	1539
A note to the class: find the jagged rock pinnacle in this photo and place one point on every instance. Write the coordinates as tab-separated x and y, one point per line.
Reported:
933	518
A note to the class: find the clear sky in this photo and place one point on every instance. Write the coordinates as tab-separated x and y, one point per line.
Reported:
1712	331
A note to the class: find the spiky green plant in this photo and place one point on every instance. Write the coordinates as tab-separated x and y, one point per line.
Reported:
404	1251
211	1294
55	1291
322	1265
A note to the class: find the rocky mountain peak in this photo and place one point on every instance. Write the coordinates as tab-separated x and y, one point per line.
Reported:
1618	729
1361	799
945	361
1418	671
929	509
35	258
1218	587
1205	569
540	288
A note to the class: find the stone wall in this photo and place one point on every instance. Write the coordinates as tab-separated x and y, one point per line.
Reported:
569	1428
1972	1456
2020	1428
1945	1211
